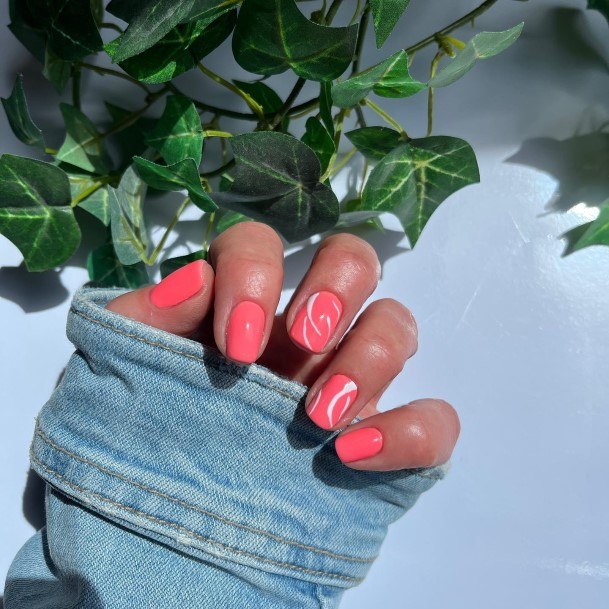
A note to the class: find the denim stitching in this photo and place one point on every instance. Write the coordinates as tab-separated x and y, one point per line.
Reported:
178	352
153	491
188	531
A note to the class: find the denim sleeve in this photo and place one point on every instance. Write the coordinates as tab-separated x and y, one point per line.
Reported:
178	479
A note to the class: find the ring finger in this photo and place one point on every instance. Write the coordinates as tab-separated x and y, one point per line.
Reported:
369	357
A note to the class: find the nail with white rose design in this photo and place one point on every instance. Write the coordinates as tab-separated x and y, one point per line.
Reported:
316	321
332	401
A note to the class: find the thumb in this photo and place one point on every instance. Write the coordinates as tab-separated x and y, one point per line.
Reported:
177	304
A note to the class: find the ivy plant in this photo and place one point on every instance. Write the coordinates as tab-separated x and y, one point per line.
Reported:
279	155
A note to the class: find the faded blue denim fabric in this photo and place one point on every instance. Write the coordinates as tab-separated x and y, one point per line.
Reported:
176	478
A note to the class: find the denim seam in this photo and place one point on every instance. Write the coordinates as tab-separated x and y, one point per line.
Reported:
177	351
185	530
185	504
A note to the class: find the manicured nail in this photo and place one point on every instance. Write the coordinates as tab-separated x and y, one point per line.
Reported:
332	401
316	321
244	332
178	286
359	444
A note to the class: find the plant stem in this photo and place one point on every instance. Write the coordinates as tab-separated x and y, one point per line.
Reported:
111	72
340	117
51	151
157	250
430	95
112	26
288	103
215	133
332	11
249	100
356	12
210	224
385	116
338	166
449	28
220	170
361	34
76	86
89	191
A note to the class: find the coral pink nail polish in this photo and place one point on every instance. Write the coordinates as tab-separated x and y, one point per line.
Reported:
316	321
178	286
244	332
332	401
359	444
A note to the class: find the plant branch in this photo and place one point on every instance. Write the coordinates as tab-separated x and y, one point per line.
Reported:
332	11
361	34
449	28
384	115
112	26
89	191
111	72
219	171
216	133
288	103
430	94
210	224
174	221
249	100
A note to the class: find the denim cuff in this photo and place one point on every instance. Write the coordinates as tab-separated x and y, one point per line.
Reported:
167	438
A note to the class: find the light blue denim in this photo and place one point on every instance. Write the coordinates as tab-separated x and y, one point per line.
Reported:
178	479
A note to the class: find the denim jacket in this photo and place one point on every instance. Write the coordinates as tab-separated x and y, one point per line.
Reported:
176	478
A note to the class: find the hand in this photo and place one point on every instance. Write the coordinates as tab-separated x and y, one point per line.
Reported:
231	303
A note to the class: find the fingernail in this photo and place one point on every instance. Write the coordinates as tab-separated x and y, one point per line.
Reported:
332	401
316	321
178	286
359	444
244	332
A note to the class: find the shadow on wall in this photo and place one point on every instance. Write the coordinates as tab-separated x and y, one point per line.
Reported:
578	163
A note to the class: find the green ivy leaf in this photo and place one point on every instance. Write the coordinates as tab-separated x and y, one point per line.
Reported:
56	71
230	218
97	202
374	142
319	140
170	265
132	139
273	35
276	180
602	6
127	218
178	51
70	27
27	29
325	105
106	270
151	20
591	233
35	212
386	14
83	145
481	46
178	134
390	78
354	215
19	117
416	177
183	175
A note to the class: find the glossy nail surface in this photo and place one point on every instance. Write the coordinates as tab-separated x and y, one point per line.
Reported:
359	444
244	332
332	401
178	286
316	321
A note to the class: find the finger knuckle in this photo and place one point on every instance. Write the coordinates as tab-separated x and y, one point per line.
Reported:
382	352
399	322
423	444
357	249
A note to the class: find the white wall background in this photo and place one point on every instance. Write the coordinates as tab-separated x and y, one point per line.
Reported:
511	333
